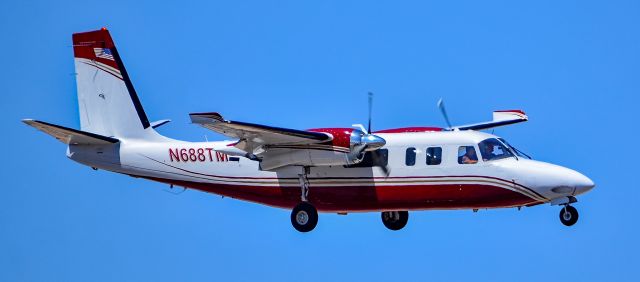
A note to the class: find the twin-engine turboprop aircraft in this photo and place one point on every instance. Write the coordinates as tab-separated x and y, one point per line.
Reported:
337	170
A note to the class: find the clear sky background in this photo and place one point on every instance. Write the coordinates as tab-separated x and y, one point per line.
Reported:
573	66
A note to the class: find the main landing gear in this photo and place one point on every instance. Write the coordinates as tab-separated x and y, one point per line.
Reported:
395	220
568	215
304	216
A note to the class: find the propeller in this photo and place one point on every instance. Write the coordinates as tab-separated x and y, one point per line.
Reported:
370	107
375	158
363	141
444	112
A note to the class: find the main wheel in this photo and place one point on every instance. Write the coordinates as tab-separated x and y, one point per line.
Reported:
568	215
304	217
395	220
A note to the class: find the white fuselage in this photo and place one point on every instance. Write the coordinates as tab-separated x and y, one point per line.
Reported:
199	165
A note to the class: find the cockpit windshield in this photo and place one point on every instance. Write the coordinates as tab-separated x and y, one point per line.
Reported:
514	149
491	149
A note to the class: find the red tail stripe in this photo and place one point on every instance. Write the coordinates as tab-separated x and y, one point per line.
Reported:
85	42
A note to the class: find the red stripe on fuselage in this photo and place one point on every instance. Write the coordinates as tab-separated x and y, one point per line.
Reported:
370	198
397	177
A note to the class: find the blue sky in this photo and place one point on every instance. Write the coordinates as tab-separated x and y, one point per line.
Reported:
573	66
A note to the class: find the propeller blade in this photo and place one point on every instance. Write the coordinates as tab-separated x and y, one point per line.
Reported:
360	127
444	112
386	170
370	107
375	156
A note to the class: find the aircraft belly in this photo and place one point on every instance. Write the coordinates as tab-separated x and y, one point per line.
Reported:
363	198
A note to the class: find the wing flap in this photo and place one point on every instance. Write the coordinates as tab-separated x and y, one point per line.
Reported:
69	135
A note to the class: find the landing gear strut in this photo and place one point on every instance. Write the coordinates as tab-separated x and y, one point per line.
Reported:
395	220
568	215
304	186
304	216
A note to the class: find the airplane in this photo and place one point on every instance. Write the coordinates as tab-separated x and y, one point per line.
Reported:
330	170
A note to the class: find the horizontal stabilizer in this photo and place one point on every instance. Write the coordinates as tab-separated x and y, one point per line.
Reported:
500	118
159	123
70	136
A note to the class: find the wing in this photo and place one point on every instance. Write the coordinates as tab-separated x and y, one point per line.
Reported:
500	118
69	135
253	136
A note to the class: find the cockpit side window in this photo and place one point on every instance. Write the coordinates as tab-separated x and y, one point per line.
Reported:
410	159
434	155
467	155
492	149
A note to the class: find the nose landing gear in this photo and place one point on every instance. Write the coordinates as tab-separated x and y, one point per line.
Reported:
568	215
395	220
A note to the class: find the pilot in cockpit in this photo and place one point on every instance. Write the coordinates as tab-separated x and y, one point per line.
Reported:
470	156
487	151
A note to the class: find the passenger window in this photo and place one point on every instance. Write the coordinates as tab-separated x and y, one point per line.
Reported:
410	159
434	155
467	155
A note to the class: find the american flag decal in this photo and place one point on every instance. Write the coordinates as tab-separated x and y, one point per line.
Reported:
104	53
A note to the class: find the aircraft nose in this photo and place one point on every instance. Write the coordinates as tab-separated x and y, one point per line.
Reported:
583	183
574	183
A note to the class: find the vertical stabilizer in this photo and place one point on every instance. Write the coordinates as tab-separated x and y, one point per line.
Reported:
108	102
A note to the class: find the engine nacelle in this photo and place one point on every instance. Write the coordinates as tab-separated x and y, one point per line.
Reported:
347	147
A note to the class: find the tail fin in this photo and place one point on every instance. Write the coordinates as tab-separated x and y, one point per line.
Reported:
109	105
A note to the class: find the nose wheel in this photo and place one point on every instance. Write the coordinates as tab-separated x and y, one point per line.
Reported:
568	215
395	220
304	217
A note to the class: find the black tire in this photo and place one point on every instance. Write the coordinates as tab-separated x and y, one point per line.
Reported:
568	215
304	217
395	220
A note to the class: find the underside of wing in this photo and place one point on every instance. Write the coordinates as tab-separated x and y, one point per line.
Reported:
253	136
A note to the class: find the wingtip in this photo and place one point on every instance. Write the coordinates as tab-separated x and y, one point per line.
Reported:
517	113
